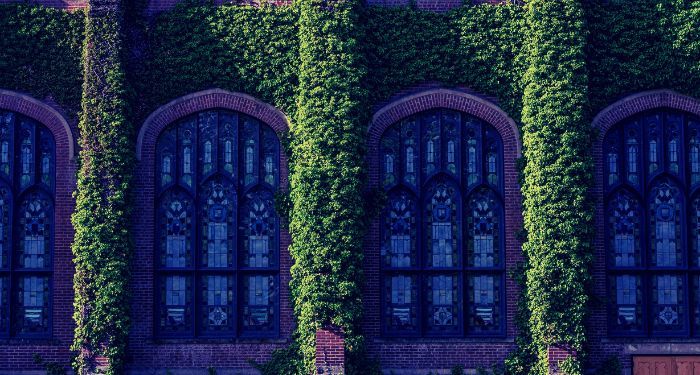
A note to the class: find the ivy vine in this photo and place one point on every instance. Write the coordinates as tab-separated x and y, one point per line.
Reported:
102	247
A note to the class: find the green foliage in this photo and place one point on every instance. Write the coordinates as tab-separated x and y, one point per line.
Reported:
40	53
611	366
326	64
558	211
102	246
52	368
236	48
326	176
641	45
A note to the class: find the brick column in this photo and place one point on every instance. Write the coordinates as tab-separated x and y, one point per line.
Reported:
330	351
556	355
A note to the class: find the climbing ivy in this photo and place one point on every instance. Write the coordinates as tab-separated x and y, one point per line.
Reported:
40	52
327	175
328	65
558	210
102	247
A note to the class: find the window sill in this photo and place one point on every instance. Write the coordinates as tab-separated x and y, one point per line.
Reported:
220	341
16	341
648	340
443	340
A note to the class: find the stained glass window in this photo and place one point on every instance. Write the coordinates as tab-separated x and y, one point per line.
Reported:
27	178
442	227
216	175
653	225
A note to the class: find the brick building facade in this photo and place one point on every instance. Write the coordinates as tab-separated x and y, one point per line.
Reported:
413	350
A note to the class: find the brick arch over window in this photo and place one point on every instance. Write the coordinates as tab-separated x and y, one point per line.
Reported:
622	112
146	352
391	351
444	98
641	102
44	114
61	265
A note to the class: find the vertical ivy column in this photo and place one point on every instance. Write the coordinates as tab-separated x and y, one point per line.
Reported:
558	176
102	247
327	220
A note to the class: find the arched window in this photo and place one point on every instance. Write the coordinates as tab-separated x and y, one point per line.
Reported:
26	226
442	228
217	231
652	168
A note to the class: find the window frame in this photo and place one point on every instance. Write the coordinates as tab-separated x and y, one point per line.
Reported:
420	194
196	271
688	192
13	273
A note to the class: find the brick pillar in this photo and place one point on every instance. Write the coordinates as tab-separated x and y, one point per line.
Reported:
330	351
556	355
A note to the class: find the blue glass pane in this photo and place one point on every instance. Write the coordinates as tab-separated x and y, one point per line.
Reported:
399	249
484	229
411	163
7	126
187	152
177	231
259	307
626	308
441	226
633	153
217	299
165	158
484	303
218	223
665	225
653	147
176	304
35	231
443	310
451	124
431	143
5	215
208	126
624	230
32	315
668	303
228	145
258	230
401	296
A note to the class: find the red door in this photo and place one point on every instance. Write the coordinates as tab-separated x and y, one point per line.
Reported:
681	365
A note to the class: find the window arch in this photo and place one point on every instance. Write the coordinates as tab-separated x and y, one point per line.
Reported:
652	175
27	186
442	228
217	230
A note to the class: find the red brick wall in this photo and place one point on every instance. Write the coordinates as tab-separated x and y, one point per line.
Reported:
330	351
416	353
144	351
602	347
18	354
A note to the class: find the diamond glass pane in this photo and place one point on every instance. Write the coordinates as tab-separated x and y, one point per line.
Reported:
668	303
34	230
665	225
624	231
258	230
399	230
443	303
483	229
217	313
